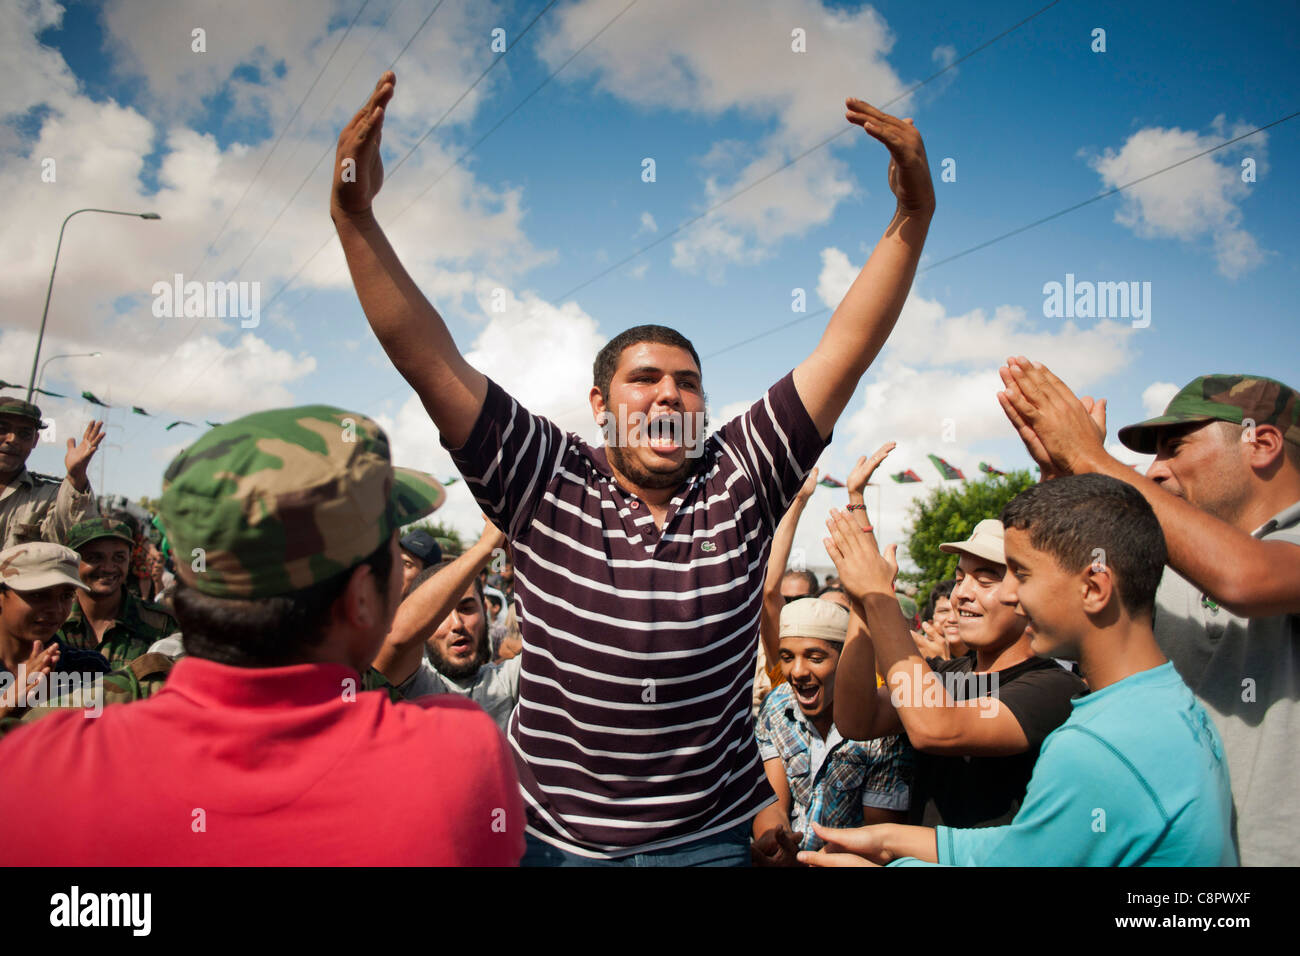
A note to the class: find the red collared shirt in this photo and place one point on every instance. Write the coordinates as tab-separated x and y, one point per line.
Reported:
262	767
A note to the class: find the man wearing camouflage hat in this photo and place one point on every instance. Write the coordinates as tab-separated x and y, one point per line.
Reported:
36	507
106	616
285	528
1225	485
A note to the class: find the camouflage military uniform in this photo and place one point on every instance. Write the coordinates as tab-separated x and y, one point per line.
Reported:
141	679
36	507
136	629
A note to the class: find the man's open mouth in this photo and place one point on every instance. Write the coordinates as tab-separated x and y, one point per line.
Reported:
664	433
808	696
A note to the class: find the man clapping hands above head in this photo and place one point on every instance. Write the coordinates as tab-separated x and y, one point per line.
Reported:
1225	486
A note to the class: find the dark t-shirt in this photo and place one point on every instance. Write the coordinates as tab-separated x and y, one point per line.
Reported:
986	791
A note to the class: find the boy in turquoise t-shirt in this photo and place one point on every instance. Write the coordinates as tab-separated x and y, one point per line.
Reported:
1136	775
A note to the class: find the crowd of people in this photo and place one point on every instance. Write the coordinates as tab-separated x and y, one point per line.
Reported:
625	669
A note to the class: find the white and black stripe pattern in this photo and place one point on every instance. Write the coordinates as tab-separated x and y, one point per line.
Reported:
633	730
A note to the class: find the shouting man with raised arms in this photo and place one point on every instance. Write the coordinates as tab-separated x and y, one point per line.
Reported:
637	564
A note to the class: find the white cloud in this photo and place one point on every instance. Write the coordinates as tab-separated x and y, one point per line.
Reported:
33	73
737	57
226	381
933	390
1200	199
744	231
1156	397
286	47
538	352
648	224
108	264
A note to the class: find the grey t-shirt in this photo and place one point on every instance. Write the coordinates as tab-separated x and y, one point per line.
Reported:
495	687
1247	674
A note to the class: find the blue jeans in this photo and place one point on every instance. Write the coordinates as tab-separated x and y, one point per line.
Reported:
728	848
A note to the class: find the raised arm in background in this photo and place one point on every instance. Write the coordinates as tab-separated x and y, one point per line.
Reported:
769	627
424	609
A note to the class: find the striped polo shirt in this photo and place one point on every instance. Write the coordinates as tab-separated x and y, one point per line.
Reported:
634	730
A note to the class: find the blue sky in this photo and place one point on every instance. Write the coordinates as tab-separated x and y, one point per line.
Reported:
135	119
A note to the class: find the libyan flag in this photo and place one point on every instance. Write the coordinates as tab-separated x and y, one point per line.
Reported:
829	482
38	391
906	477
989	469
94	401
945	469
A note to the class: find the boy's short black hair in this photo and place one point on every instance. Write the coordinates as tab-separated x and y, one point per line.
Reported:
1083	519
602	370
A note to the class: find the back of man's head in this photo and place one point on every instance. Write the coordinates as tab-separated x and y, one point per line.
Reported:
1084	520
271	518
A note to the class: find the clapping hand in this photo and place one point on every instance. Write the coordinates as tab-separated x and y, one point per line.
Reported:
36	668
863	569
1064	434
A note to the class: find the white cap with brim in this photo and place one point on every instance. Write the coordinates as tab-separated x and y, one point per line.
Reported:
814	617
39	564
985	542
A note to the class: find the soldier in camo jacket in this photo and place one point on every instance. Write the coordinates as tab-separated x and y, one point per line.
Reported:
107	617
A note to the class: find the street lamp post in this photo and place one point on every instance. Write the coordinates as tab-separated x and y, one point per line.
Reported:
41	377
103	487
31	382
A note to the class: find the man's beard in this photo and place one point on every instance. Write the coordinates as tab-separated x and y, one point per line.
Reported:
461	671
643	478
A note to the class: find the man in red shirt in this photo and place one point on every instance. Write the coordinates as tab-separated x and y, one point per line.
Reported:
262	749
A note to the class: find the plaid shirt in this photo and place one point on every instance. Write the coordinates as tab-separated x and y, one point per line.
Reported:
831	782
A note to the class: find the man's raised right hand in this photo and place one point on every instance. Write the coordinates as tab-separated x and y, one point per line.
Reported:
358	170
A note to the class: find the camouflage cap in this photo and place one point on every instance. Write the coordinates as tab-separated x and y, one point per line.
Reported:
1222	398
20	409
37	565
84	532
284	499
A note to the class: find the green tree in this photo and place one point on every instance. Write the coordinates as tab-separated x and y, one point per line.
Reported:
950	513
448	537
